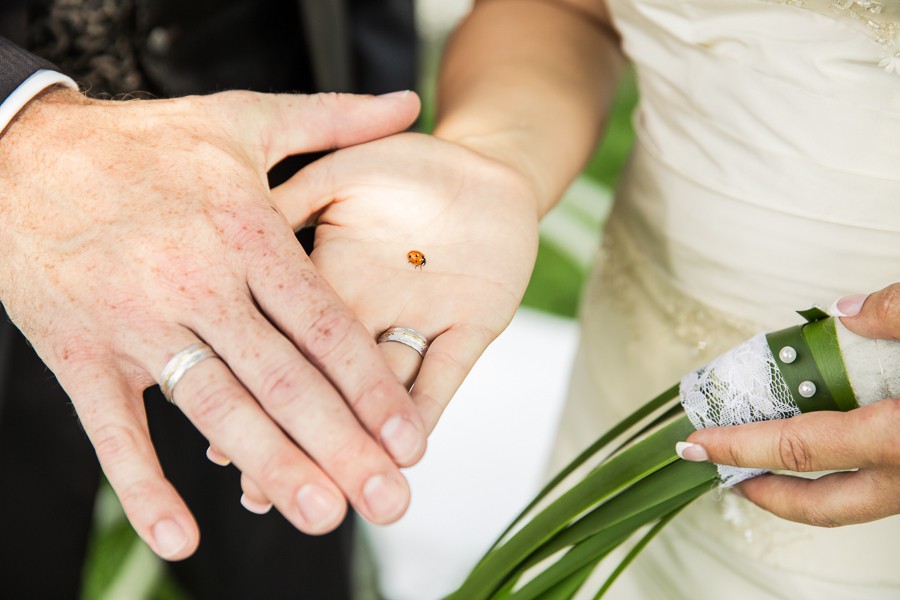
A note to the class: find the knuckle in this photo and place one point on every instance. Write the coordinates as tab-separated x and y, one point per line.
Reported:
242	97
114	443
449	363
280	386
328	331
274	471
887	424
209	404
346	454
138	492
814	515
259	242
77	348
379	394
792	451
887	304
325	103
187	275
326	100
733	454
231	105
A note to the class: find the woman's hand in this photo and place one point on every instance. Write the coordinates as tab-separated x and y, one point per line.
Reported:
474	219
864	439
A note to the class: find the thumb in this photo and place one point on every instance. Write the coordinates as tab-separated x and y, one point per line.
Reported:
310	189
286	124
874	316
299	123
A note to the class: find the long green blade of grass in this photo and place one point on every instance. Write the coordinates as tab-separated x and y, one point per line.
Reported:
622	470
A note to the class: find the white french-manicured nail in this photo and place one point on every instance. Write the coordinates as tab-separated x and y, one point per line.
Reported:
259	508
848	306
691	452
170	538
217	457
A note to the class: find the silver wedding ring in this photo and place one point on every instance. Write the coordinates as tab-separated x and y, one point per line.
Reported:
407	337
180	364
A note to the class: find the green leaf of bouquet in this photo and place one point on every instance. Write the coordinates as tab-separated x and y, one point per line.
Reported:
659	488
567	588
632	464
620	523
617	431
634	551
575	560
821	336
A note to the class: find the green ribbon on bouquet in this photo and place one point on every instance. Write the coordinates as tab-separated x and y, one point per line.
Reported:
552	547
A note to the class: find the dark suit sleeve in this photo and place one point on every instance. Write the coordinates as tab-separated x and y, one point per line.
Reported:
17	65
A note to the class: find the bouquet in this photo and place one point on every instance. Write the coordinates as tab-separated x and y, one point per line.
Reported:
640	484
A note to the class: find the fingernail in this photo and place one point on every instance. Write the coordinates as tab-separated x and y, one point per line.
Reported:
169	537
386	498
848	306
259	508
737	491
691	452
398	94
217	458
319	507
402	439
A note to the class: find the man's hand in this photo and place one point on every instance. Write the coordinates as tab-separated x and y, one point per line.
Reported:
131	230
864	439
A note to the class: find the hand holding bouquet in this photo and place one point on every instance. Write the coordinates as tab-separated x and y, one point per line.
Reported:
639	482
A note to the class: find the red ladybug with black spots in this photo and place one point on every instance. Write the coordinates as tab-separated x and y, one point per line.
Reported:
416	258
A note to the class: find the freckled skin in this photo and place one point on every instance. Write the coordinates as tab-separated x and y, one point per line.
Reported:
129	229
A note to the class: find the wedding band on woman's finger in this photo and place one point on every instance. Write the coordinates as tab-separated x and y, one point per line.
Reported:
407	337
180	364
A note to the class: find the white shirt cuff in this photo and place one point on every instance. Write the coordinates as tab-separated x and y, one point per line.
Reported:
28	89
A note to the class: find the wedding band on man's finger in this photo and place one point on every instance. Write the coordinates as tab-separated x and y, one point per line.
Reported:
406	336
182	362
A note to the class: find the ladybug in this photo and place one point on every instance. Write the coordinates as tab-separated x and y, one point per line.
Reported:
416	258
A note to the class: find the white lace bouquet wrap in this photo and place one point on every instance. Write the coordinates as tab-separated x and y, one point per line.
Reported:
555	544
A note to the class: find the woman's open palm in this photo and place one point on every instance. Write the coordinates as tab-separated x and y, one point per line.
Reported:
473	220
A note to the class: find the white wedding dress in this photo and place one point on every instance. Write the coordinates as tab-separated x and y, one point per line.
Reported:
765	179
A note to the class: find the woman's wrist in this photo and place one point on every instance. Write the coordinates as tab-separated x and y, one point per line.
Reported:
500	147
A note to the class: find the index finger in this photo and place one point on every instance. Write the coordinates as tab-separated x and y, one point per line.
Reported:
810	442
309	312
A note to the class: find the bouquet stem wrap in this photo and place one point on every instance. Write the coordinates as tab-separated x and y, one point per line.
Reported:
639	483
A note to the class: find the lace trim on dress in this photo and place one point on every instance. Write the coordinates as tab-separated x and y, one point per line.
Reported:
629	277
627	272
880	19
